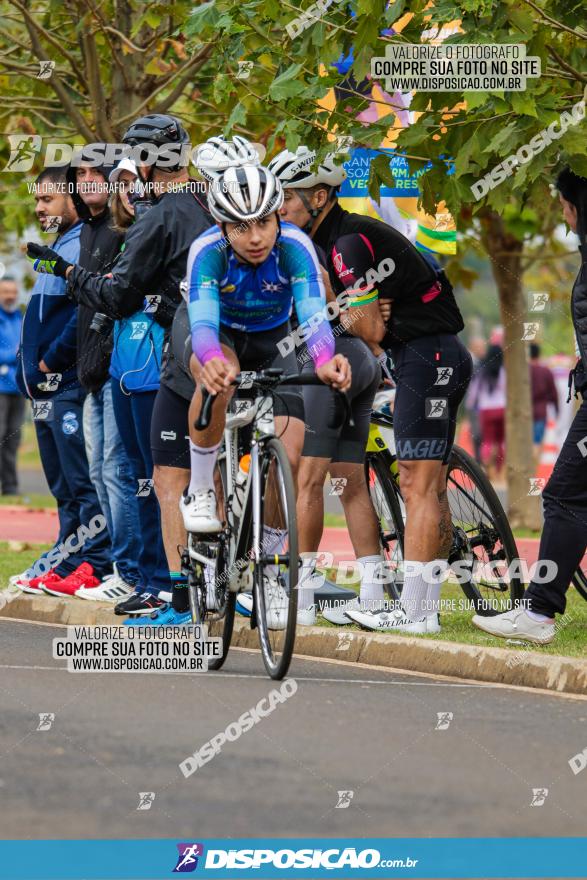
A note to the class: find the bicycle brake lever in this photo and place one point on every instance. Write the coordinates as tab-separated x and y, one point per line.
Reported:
203	419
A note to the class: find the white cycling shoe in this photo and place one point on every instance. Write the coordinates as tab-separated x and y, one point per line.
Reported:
306	616
387	621
337	614
199	512
516	624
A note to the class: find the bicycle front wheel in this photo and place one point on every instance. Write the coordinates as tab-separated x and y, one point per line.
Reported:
387	504
276	572
483	543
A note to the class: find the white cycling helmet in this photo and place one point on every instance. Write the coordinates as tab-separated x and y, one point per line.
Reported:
299	170
245	193
217	154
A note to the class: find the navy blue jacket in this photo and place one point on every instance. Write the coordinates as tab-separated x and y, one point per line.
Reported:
10	323
49	327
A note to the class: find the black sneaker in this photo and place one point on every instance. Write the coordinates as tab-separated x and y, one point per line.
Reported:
139	603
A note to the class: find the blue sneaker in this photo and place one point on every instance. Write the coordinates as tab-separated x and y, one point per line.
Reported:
167	616
244	604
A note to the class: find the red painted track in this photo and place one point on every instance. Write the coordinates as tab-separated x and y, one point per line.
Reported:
40	526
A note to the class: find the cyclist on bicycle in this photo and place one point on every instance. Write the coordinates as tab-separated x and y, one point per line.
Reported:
398	301
340	451
242	279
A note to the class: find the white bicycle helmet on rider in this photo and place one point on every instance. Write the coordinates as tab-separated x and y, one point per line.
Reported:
217	154
299	170
244	194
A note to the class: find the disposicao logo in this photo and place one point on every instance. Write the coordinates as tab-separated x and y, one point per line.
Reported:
187	859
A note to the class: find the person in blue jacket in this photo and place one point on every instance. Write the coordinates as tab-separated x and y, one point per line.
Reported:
47	375
11	400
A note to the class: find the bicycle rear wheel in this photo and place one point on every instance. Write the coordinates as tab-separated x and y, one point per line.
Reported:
276	576
482	538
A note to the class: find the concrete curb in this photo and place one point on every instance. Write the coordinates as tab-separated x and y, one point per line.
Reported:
530	669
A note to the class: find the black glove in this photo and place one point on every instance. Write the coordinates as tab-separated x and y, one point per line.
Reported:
46	260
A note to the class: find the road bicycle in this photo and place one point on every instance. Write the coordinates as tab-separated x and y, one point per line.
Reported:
482	544
236	558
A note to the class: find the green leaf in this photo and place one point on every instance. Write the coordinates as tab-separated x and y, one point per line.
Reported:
381	164
524	104
505	134
237	117
203	17
286	85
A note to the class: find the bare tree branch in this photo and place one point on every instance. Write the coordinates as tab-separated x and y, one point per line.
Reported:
31	22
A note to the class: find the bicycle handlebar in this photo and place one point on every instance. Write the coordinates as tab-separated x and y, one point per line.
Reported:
269	379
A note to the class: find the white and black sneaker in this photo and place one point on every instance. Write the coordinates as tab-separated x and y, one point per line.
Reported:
139	603
112	589
386	621
199	512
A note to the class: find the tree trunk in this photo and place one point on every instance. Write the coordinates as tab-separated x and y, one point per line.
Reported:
505	252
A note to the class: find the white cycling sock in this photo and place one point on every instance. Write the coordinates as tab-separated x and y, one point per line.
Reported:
415	590
371	595
539	618
274	541
203	461
435	580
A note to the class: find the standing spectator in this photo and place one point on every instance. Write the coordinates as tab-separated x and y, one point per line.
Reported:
564	536
11	400
489	397
478	351
544	393
47	374
110	469
152	265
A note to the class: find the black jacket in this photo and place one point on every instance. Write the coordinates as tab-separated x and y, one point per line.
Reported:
153	262
99	247
579	316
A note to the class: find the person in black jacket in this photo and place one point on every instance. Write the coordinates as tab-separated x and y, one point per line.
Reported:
110	469
564	538
153	264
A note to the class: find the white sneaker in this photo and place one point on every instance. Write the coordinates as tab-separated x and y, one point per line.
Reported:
337	614
276	604
387	621
112	589
307	616
244	604
20	580
199	512
516	624
433	623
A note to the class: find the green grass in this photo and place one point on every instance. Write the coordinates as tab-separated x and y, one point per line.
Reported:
14	562
457	627
33	499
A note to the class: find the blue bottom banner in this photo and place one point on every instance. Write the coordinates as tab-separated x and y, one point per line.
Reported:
384	858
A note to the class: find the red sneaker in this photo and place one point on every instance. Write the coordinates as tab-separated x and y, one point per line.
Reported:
33	585
83	576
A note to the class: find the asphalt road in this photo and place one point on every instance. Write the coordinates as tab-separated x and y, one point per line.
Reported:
346	729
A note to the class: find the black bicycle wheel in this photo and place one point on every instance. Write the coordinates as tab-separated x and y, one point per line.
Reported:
225	606
275	588
388	509
483	539
580	582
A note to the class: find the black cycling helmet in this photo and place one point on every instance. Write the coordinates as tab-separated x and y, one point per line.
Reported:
158	130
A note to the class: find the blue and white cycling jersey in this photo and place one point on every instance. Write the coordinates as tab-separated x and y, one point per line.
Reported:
223	290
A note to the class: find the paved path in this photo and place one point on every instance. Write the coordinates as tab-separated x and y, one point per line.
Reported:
347	728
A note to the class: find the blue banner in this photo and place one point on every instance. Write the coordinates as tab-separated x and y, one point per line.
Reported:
287	858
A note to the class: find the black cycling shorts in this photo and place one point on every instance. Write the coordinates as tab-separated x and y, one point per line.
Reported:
258	351
432	375
344	443
169	429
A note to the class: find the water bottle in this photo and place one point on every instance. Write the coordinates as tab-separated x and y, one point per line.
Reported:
240	484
